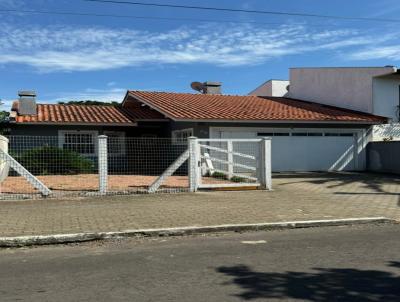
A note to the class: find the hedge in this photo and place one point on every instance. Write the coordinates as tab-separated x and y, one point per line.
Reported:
52	160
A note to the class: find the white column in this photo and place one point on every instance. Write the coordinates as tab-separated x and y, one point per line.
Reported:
230	158
265	164
193	166
103	164
4	165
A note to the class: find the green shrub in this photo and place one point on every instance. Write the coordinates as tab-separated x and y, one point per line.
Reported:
238	179
220	175
52	160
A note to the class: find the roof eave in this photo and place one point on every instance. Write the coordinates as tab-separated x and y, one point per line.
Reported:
281	121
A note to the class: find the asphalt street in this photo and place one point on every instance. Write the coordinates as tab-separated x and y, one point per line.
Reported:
359	263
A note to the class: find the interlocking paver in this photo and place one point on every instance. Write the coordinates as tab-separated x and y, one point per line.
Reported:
302	196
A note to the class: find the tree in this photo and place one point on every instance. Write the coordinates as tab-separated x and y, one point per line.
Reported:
90	102
4	116
4	126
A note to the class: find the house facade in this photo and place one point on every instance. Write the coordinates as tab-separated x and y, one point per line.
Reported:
306	136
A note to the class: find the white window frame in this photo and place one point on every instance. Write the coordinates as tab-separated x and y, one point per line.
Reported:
120	134
177	136
61	139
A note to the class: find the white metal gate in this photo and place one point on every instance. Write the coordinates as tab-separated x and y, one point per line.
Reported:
226	163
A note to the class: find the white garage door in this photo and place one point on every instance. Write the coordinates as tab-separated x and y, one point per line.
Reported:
296	150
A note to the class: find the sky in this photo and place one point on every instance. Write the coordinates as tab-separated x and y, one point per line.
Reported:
65	57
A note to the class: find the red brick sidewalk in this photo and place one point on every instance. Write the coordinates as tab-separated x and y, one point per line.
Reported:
295	197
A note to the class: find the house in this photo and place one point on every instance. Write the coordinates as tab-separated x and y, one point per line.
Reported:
373	90
306	136
272	88
70	124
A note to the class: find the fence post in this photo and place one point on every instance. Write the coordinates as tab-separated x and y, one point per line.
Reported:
193	164
265	163
103	164
230	158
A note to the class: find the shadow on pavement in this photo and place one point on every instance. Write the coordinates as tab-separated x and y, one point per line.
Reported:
371	181
323	284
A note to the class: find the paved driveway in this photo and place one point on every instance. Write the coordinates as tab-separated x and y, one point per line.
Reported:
301	196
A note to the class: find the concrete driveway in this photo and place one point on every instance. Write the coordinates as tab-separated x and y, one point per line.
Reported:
339	183
300	196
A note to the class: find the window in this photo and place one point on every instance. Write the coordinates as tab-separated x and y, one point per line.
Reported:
272	134
179	137
115	142
307	134
83	142
338	134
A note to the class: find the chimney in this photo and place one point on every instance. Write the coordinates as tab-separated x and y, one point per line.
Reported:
212	87
27	103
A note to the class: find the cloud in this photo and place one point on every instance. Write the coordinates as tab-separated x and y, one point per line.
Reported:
101	95
391	52
66	48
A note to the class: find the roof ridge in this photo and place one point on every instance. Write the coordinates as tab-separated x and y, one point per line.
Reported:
80	105
190	93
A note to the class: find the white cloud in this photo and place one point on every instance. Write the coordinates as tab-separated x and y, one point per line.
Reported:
391	52
65	48
101	95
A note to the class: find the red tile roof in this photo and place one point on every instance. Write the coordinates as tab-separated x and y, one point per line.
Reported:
70	114
139	111
186	106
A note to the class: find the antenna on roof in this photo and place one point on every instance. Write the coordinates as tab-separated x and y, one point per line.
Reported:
197	86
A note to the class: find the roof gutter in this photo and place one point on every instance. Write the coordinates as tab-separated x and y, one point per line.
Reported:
281	121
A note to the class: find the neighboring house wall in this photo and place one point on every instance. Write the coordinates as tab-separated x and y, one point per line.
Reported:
384	157
386	99
349	88
277	88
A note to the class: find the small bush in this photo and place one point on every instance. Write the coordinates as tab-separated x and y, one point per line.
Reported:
52	160
238	179
220	175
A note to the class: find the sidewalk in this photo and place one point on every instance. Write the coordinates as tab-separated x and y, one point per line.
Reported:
304	197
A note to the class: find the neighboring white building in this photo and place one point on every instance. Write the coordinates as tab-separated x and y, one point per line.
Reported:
374	90
277	88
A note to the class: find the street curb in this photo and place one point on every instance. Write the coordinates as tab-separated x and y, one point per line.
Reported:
20	241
